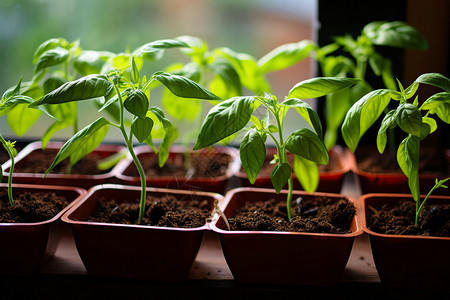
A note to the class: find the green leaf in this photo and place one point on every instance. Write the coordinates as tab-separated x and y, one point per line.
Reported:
280	176
48	45
253	153
411	90
224	119
51	130
82	143
395	34
135	77
388	122
307	144
320	86
307	173
137	103
285	56
26	116
409	118
307	112
91	62
150	49
142	128
362	115
226	84
197	47
431	122
435	79
408	160
184	87
51	58
170	134
439	104
245	65
88	87
179	108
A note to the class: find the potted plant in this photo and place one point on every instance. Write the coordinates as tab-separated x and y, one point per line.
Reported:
127	89
409	242
363	57
29	221
408	117
307	145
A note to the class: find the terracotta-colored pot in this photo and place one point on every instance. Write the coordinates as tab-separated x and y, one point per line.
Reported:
393	182
26	246
330	181
217	184
293	258
80	180
134	251
407	261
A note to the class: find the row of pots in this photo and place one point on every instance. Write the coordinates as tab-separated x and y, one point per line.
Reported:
330	181
164	253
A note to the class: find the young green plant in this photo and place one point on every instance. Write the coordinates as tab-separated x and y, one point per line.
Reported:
413	119
12	152
362	54
130	92
233	115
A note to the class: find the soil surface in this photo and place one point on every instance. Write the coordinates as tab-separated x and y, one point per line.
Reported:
318	214
431	161
209	165
267	166
167	211
39	160
399	219
30	207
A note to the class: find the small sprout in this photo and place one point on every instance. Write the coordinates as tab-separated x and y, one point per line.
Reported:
221	214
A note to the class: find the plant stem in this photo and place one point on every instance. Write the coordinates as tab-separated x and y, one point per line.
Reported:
129	143
11	170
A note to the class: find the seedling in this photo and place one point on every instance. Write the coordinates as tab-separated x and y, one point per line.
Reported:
129	90
232	116
413	119
12	152
362	55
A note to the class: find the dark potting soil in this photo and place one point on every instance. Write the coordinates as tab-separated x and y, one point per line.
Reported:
39	160
166	211
399	219
318	214
209	165
30	207
431	161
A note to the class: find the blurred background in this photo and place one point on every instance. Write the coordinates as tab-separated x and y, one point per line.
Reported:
251	26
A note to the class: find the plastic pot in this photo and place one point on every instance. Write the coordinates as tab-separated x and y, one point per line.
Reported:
80	180
408	261
330	181
287	258
134	251
216	184
26	246
371	182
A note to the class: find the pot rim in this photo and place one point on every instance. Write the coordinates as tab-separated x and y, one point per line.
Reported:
56	145
66	217
363	215
354	168
231	193
80	191
144	149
